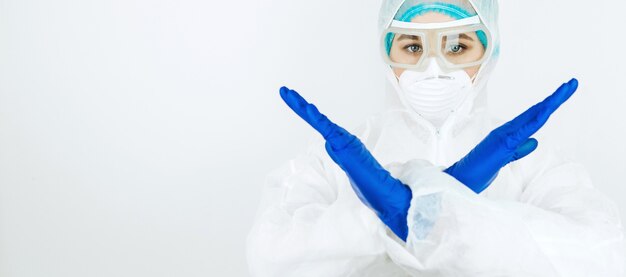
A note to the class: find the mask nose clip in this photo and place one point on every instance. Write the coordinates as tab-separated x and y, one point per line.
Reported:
435	71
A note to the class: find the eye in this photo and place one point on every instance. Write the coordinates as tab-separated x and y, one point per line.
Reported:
413	48
456	48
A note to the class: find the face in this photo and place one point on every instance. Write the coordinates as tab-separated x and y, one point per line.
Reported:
458	48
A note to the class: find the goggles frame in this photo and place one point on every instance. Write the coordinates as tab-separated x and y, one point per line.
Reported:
471	24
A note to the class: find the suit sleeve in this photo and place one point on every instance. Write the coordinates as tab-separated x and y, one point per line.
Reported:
561	225
310	223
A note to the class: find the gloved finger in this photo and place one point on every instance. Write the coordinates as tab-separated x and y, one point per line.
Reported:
560	95
529	122
335	135
357	161
549	106
308	112
525	149
344	148
338	137
297	103
553	102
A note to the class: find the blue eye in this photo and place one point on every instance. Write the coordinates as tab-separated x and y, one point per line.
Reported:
456	49
413	48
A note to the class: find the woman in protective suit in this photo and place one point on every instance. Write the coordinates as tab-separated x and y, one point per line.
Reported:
432	187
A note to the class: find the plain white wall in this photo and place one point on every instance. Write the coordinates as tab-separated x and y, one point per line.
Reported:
135	135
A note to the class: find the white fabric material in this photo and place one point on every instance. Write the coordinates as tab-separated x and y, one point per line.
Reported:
540	217
433	26
433	93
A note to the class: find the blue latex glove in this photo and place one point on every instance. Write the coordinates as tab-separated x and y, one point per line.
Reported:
374	185
508	143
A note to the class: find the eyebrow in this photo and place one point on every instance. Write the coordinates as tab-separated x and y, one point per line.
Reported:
411	37
465	36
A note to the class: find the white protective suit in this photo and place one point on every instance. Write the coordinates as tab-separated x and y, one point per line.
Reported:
540	217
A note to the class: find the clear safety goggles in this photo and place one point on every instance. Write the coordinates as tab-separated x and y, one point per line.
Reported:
457	44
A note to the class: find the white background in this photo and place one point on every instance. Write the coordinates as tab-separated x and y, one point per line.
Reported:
135	135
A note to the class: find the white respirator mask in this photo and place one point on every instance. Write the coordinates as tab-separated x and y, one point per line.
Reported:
433	93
